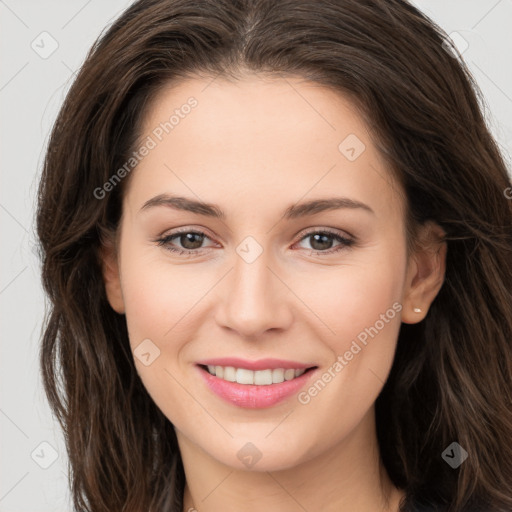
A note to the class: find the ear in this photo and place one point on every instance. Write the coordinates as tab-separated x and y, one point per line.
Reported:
425	273
111	275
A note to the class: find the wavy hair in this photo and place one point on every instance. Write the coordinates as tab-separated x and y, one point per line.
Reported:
451	379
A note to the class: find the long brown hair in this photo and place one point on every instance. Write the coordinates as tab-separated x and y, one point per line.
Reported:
452	375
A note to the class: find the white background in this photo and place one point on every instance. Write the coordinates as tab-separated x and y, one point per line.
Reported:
32	89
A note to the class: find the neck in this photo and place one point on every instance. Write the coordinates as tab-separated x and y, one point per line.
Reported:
349	477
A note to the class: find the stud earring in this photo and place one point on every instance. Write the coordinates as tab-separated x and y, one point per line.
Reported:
417	310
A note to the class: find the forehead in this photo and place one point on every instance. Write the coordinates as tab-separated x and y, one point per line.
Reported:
259	109
260	137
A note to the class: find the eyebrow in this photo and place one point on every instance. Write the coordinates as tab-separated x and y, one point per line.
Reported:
292	212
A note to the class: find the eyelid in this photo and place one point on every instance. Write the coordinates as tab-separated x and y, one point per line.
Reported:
178	231
323	229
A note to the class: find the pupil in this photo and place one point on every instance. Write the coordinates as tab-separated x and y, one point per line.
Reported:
323	240
187	240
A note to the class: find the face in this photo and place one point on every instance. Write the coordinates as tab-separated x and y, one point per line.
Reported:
294	276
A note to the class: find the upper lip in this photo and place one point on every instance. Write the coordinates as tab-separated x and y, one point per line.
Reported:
260	364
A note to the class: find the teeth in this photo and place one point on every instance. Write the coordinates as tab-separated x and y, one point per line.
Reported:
244	376
289	374
258	377
277	376
263	377
229	374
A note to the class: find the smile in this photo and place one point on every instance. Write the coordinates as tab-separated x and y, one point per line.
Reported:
267	383
258	377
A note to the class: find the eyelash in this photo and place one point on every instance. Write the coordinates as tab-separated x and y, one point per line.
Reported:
345	242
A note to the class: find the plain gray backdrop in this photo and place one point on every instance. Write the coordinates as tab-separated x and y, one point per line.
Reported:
43	43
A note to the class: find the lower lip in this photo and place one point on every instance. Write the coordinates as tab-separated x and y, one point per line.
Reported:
254	397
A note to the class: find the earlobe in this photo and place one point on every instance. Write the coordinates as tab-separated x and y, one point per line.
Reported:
111	277
426	272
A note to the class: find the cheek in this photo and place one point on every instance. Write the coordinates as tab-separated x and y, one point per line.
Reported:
367	303
158	295
158	302
361	305
357	297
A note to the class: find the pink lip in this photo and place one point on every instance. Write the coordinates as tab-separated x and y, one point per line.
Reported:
261	364
251	396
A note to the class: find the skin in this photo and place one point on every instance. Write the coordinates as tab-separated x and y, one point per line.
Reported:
255	147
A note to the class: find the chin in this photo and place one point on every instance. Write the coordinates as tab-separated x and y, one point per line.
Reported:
259	456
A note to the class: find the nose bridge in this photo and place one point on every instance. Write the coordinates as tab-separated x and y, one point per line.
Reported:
253	299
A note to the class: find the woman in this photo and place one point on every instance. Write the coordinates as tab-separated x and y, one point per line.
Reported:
277	243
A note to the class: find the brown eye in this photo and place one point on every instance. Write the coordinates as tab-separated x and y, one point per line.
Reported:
190	240
322	242
183	242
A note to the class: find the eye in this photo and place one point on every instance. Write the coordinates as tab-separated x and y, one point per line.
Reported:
190	240
322	241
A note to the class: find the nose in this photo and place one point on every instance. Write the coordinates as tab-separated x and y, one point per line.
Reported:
253	298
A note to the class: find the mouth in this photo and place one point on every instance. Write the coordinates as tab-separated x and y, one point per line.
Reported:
266	384
265	377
